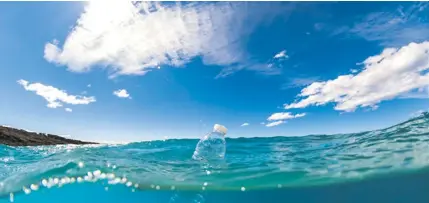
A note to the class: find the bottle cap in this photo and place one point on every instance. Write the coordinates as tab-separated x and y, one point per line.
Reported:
220	129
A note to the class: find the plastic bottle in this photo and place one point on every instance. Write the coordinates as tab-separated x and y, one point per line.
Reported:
212	145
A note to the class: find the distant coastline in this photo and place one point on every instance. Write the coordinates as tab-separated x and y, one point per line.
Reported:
18	137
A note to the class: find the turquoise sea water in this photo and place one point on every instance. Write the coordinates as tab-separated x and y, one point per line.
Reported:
388	165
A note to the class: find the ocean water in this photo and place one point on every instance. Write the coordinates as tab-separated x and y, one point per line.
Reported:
388	165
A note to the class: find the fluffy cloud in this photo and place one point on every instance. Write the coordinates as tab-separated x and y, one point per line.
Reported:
68	109
281	55
132	38
122	93
275	123
284	116
280	118
55	97
392	73
244	124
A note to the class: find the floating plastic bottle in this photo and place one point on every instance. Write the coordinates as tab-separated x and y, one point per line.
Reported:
212	146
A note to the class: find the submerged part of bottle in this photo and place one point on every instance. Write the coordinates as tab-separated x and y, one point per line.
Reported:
212	146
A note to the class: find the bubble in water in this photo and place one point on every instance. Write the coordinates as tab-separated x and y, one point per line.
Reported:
199	199
157	187
106	188
80	164
87	178
129	184
11	197
34	187
97	173
243	189
44	182
26	190
187	198
110	175
173	199
205	184
50	183
114	181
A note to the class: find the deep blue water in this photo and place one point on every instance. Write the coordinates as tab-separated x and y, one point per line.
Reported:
388	165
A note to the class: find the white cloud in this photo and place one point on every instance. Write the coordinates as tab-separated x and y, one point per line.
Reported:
281	55
391	28
89	85
122	93
244	124
284	116
386	76
55	97
264	68
132	38
279	118
275	123
68	109
420	93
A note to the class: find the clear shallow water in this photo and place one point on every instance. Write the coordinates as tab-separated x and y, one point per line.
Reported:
366	167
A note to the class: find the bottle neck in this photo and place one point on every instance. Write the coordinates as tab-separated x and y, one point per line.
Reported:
216	134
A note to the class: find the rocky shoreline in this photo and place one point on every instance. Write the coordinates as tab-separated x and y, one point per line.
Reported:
18	137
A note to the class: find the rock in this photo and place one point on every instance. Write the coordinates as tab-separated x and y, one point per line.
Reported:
17	137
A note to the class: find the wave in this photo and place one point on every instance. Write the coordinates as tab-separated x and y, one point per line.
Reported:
250	163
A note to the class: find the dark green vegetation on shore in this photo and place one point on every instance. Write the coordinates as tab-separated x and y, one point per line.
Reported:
17	137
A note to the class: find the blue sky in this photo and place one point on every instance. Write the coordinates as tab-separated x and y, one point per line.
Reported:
128	72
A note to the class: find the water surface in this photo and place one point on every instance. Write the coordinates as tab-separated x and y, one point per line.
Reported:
388	165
